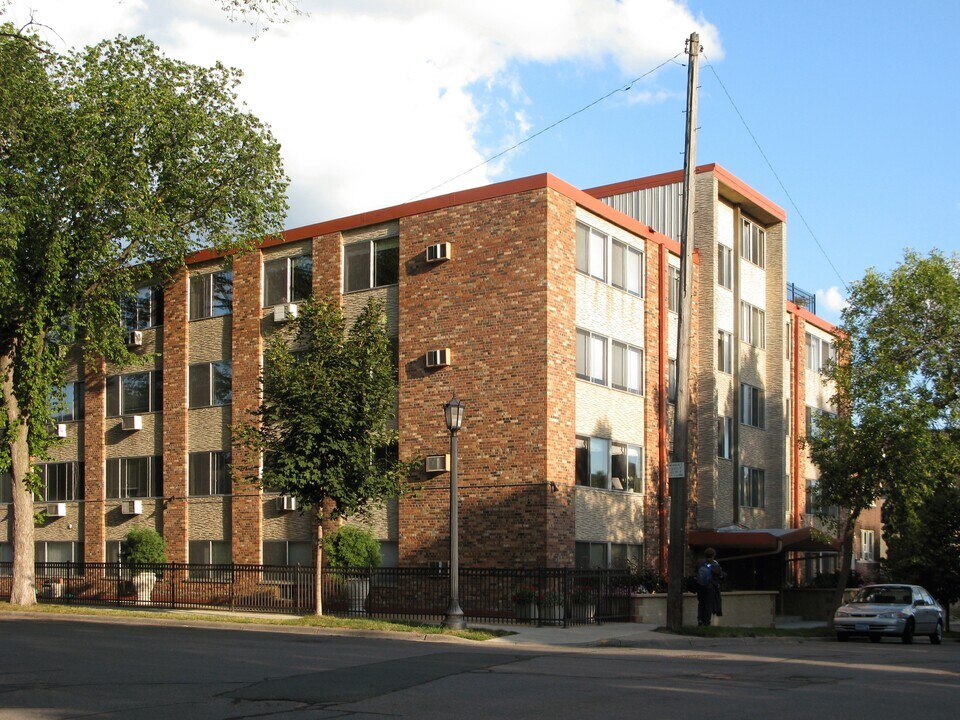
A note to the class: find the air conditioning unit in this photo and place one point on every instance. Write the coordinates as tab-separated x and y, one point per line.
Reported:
439	252
438	463
131	507
61	430
134	338
286	503
57	510
132	422
283	311
438	358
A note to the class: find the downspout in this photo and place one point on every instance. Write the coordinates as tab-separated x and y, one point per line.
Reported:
662	403
737	322
795	445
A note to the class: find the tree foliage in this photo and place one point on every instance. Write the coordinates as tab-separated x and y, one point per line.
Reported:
896	436
115	163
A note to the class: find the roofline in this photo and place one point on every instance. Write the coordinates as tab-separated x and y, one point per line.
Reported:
810	318
461	197
723	175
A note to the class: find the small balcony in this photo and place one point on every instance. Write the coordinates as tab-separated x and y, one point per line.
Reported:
801	298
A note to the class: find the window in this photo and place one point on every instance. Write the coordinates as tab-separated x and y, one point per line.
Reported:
626	368
591	357
591	252
6	488
625	556
136	477
69	406
788	345
209	473
211	384
751	487
593	462
724	352
371	263
287	279
751	406
134	393
673	288
592	555
724	266
819	352
211	294
811	417
788	420
810	497
6	559
58	552
671	381
626	464
627	268
752	242
210	552
751	325
866	546
725	438
61	480
143	310
288	552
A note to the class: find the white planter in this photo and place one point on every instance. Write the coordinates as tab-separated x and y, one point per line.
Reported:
553	614
357	591
143	583
527	611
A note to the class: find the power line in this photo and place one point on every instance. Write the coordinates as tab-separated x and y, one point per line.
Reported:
623	88
777	176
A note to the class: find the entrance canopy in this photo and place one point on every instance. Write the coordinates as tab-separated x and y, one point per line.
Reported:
739	540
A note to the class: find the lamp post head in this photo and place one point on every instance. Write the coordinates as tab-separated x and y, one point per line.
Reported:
453	413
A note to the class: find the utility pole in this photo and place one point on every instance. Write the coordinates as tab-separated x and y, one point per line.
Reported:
678	468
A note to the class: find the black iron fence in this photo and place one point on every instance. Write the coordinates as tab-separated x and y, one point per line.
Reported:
538	596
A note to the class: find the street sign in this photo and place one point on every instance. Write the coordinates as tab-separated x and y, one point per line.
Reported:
677	470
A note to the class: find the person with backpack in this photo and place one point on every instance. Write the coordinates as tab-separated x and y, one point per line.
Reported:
709	575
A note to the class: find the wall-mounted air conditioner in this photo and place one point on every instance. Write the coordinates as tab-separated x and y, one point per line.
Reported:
438	463
439	252
286	503
61	430
131	507
438	358
132	422
134	338
284	311
57	510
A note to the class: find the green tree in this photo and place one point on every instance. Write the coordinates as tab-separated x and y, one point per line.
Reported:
897	432
115	163
323	426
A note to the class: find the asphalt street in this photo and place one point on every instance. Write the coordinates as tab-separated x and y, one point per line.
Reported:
66	668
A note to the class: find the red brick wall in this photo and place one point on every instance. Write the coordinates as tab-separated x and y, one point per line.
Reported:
175	332
94	486
246	513
327	267
489	304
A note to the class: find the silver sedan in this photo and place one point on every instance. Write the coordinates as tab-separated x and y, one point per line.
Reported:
893	610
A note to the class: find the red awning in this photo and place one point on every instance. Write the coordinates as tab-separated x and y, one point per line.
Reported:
763	540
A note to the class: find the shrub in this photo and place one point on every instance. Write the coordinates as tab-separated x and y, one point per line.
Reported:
144	546
352	547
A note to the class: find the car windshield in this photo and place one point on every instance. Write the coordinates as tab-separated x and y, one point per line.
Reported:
884	595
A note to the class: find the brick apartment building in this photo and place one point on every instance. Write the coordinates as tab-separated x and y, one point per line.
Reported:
549	310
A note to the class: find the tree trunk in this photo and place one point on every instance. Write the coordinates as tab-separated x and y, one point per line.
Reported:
318	575
24	587
846	558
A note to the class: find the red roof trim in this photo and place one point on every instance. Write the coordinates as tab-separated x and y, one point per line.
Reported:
810	318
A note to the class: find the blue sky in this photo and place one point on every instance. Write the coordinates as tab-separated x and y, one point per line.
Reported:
376	101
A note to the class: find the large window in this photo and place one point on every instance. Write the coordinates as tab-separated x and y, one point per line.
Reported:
6	559
6	488
135	477
211	384
69	406
752	325
203	553
724	266
751	487
609	466
752	411
626	467
134	393
209	473
58	552
591	252
626	368
211	295
287	279
866	546
725	438
752	243
593	555
673	289
819	352
143	310
61	481
371	263
626	268
288	552
724	352
591	357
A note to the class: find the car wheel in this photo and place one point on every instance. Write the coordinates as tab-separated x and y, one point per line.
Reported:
843	637
936	637
874	638
907	636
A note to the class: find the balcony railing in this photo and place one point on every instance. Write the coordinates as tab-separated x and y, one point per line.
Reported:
802	298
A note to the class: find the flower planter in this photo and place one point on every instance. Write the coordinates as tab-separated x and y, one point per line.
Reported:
527	611
143	583
584	611
552	614
357	591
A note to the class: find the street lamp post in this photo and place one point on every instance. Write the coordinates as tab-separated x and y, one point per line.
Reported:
453	415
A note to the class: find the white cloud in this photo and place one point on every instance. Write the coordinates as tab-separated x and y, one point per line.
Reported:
831	300
375	101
